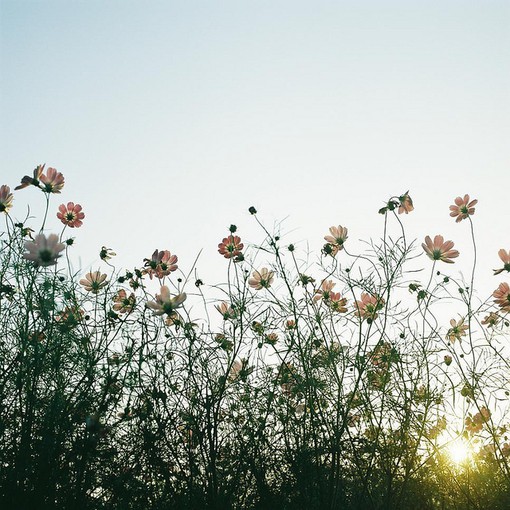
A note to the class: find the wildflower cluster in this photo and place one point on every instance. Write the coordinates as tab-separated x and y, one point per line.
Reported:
316	382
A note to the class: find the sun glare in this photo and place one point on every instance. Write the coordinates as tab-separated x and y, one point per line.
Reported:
459	451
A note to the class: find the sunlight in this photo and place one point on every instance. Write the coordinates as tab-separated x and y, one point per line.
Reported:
459	451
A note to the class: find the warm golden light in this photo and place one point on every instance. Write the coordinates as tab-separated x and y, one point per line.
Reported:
459	451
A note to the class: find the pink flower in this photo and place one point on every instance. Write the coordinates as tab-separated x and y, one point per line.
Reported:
6	198
368	306
231	246
44	251
261	279
406	204
27	180
94	282
71	215
462	208
162	263
439	249
325	291
505	257
70	316
165	303
226	311
337	238
502	296
457	330
123	303
381	356
235	370
53	181
475	424
337	302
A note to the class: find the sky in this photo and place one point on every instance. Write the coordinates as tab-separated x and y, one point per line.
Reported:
170	119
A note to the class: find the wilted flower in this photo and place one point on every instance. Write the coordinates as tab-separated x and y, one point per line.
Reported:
457	330
406	204
505	257
53	181
325	291
462	208
165	303
123	302
231	246
261	279
162	263
337	238
502	296
94	282
505	450
439	249
106	253
368	306
490	320
71	214
27	180
6	198
44	251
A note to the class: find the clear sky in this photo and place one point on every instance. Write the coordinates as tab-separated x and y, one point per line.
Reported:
169	119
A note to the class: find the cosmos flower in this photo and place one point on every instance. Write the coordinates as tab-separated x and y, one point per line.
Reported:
505	257
325	291
123	302
71	214
439	249
502	296
406	204
94	282
457	330
337	302
6	198
226	310
161	264
235	370
231	246
43	251
368	306
52	181
165	303
27	180
337	238
475	423
462	208
261	279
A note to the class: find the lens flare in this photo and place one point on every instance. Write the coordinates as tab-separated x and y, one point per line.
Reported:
459	451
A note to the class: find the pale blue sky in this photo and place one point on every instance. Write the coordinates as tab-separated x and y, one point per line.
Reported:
169	119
